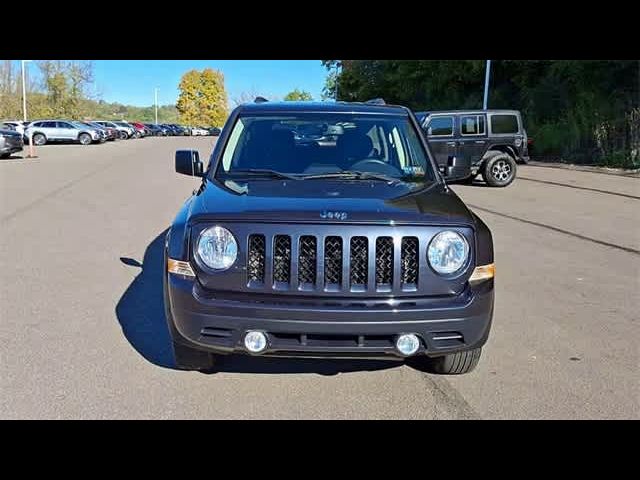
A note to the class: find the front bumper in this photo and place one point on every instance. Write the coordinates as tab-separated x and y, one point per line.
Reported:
346	327
9	148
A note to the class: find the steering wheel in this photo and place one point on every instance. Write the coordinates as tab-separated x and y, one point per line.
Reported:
375	166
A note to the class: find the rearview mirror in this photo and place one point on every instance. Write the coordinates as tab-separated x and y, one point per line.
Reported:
188	163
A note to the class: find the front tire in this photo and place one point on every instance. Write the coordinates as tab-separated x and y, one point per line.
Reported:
499	170
191	359
123	135
5	155
84	139
453	364
39	139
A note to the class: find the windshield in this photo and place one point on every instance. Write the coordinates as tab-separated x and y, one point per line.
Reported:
308	144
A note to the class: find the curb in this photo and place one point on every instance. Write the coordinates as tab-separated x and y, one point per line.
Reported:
585	168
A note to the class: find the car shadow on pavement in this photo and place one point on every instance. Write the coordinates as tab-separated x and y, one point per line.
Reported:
140	312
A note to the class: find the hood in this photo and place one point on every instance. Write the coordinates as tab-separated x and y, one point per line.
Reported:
9	133
330	201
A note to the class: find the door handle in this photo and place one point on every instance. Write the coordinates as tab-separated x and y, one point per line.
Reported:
480	142
451	144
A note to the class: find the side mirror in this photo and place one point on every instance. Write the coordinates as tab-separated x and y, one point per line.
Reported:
188	163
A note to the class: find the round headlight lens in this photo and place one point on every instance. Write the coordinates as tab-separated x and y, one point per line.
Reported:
448	252
217	248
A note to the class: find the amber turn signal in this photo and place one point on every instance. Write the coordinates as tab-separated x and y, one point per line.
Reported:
180	267
483	272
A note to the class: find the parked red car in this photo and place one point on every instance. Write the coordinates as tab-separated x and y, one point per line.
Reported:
139	128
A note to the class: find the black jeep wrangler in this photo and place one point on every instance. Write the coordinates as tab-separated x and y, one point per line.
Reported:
489	142
326	230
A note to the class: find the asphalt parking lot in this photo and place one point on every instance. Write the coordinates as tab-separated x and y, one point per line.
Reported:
82	332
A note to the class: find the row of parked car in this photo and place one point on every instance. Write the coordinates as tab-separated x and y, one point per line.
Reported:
95	131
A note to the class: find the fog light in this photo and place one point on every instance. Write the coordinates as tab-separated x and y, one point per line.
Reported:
407	344
255	341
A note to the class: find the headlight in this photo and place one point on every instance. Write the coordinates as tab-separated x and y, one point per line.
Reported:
217	248
448	252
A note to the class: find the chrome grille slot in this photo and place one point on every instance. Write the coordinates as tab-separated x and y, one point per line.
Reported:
359	262
282	259
256	258
409	262
384	262
307	261
333	262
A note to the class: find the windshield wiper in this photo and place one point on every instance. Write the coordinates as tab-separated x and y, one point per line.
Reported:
353	175
264	172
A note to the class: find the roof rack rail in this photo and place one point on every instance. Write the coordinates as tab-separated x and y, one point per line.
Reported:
260	100
376	101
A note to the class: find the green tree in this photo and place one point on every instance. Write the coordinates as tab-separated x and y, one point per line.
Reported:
298	96
202	99
578	111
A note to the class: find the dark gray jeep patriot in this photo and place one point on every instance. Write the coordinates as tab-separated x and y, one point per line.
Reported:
326	230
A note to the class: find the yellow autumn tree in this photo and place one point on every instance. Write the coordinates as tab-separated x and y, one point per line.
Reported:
203	99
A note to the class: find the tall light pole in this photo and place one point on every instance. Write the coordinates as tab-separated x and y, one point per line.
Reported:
486	85
156	91
24	91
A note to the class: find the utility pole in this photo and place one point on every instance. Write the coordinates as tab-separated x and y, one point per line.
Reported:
486	84
24	91
156	92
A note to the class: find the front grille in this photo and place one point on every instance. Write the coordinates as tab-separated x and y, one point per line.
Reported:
333	263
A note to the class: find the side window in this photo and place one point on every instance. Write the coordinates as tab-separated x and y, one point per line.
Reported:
398	146
48	124
472	125
504	124
440	127
63	125
230	148
374	135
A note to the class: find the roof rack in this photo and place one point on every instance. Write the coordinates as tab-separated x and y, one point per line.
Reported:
260	100
376	101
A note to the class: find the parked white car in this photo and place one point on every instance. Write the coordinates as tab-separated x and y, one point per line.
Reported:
18	125
199	131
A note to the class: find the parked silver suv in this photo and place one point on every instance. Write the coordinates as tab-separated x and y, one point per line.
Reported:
43	131
124	129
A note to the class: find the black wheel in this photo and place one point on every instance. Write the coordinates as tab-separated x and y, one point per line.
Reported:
123	135
5	155
39	139
453	364
499	170
191	359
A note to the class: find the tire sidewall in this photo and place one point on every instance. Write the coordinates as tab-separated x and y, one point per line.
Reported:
487	174
84	136
36	137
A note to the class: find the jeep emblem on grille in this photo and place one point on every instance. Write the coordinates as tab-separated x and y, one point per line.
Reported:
333	215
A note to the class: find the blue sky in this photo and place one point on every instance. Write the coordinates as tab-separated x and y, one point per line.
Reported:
132	82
